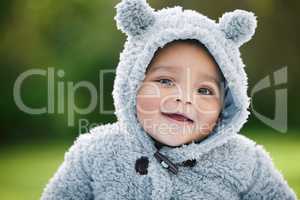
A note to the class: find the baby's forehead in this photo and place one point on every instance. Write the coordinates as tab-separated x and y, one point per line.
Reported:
176	56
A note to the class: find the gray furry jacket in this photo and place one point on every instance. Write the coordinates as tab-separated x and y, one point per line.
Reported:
116	161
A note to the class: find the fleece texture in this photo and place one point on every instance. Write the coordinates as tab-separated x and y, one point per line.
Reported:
101	164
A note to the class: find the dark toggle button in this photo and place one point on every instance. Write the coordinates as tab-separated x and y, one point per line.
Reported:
141	165
189	163
165	162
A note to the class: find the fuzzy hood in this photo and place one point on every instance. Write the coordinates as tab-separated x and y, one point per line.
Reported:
147	30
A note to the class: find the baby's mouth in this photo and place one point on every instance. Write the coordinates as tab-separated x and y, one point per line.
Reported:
178	117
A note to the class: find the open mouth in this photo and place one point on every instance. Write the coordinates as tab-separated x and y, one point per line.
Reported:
178	117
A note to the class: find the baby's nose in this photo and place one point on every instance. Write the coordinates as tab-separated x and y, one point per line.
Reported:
185	97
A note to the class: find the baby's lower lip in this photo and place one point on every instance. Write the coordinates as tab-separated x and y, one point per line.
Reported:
177	117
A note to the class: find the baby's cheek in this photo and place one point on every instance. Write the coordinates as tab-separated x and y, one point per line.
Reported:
208	106
208	113
148	98
148	104
147	109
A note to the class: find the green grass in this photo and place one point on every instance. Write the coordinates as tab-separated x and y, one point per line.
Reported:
25	169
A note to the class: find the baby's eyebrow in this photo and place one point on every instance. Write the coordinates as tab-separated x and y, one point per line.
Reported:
207	77
165	68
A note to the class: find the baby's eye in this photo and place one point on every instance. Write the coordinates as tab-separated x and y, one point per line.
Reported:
166	82
205	91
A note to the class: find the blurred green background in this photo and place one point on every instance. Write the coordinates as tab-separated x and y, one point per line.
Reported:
81	38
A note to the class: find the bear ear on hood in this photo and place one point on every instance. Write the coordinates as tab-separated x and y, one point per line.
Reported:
239	26
134	17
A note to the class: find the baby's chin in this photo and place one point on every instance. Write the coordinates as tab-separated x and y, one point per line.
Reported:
172	140
172	144
176	140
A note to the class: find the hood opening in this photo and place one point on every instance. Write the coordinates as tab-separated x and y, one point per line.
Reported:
229	108
131	72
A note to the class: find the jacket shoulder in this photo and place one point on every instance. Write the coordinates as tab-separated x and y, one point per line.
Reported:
106	133
237	149
107	137
250	166
236	161
267	181
100	143
74	177
109	132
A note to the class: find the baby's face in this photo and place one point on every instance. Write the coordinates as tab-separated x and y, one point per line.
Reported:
180	99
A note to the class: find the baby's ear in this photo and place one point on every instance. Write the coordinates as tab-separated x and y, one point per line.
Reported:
134	17
239	26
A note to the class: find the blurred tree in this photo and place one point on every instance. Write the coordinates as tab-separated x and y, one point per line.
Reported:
80	37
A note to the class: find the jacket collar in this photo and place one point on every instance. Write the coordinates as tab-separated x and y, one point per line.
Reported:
144	143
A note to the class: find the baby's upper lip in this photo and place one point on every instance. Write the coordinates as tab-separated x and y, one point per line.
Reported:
178	113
